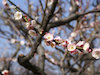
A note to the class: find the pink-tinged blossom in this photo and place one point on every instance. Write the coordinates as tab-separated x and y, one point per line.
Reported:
32	33
71	47
30	27
96	53
57	39
13	41
70	8
90	50
5	72
47	42
53	44
86	46
33	22
22	42
77	2
80	43
18	15
4	2
27	24
50	2
73	34
64	44
48	37
68	41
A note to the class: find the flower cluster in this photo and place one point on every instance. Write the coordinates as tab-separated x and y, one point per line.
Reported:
5	72
29	24
79	48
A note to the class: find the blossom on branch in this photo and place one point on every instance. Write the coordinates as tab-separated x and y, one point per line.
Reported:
5	72
86	46
53	44
48	37
96	53
58	39
4	2
71	47
18	15
80	43
32	33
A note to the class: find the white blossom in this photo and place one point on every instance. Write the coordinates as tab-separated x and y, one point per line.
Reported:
27	24
86	46
5	72
18	15
22	42
96	53
33	22
4	2
13	41
71	47
80	43
32	33
48	37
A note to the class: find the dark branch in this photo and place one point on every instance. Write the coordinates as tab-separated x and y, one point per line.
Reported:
69	19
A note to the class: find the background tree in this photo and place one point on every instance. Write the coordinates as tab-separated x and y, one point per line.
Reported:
49	37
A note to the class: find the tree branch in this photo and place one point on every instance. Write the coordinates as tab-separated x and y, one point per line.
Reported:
69	19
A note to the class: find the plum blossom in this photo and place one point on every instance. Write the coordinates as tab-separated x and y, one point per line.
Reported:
53	44
80	43
22	42
18	15
96	53
13	41
32	33
68	41
86	46
58	39
48	37
5	72
77	2
4	2
64	44
70	9
33	22
73	34
71	47
50	2
27	24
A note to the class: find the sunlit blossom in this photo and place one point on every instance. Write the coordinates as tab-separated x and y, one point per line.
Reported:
58	39
70	8
50	2
22	42
33	22
80	43
86	46
96	53
73	34
48	36
18	15
53	44
4	2
71	47
68	41
5	72
77	2
27	24
32	33
64	44
13	41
